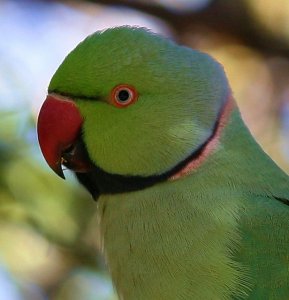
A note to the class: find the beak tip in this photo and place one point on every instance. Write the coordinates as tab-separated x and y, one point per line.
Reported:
61	175
58	170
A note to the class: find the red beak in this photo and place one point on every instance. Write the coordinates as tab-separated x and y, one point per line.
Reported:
58	127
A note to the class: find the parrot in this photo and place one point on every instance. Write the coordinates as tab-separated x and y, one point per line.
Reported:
189	204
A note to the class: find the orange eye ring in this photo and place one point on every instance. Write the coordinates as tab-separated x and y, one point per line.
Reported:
123	95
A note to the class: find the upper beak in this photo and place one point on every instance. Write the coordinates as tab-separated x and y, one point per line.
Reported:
58	127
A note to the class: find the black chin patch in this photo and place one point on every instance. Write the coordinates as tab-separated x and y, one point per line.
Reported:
99	182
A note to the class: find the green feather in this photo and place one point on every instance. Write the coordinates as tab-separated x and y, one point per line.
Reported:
220	232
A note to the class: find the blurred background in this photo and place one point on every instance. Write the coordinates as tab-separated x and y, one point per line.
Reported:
48	230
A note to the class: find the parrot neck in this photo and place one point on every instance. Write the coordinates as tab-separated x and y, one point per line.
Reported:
210	145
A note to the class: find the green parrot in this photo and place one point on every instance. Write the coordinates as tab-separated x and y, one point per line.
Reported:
189	205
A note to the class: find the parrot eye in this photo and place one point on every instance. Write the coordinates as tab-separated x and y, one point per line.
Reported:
123	95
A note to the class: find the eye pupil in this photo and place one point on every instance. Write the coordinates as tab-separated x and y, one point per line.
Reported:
123	95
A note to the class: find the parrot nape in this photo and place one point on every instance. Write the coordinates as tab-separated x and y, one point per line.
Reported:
190	207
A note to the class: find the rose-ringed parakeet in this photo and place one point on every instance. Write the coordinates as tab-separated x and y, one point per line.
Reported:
190	207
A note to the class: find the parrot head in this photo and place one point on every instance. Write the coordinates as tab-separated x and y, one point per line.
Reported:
128	108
